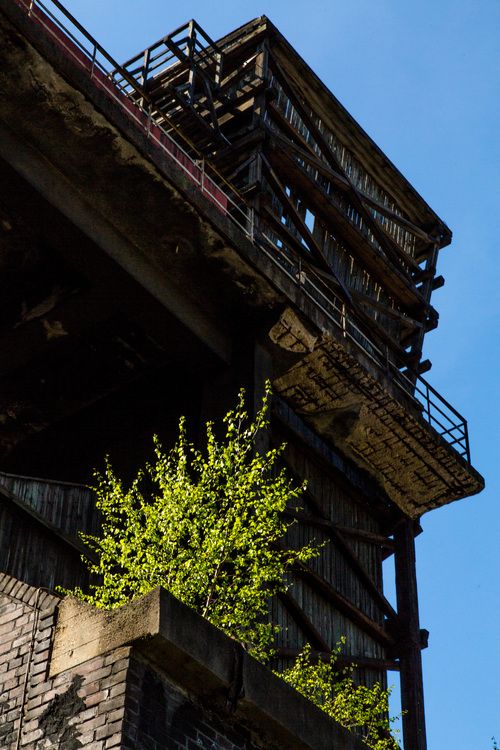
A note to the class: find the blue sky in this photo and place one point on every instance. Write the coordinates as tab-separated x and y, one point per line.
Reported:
423	79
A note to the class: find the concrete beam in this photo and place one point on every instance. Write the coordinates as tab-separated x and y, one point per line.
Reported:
198	658
55	187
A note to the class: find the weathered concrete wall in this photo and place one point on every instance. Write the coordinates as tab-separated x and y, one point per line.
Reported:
150	676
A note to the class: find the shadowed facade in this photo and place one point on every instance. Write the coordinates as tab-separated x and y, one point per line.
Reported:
204	217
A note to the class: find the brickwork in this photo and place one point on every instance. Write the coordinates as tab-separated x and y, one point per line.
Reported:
159	716
175	686
115	700
82	708
26	620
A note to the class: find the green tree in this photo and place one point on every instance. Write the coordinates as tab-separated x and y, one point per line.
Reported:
206	525
335	692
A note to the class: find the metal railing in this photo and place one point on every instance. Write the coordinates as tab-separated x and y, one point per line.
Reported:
439	414
185	47
101	67
125	90
181	73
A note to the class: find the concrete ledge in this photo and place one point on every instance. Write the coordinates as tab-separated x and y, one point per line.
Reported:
84	632
384	435
201	660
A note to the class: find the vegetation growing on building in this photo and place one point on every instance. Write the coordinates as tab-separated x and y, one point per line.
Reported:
208	526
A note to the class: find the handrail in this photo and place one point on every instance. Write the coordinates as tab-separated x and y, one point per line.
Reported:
430	405
419	391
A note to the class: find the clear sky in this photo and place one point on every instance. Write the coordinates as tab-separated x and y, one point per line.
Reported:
423	78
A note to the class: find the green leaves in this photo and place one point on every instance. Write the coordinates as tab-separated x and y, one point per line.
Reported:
207	525
355	707
203	524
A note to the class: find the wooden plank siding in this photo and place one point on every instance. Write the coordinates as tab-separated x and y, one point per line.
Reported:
40	521
339	506
39	525
320	190
70	508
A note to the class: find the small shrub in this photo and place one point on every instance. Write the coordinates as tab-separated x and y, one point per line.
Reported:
353	706
207	526
204	525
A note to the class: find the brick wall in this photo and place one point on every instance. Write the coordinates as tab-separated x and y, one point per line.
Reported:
26	621
81	708
160	716
152	675
114	700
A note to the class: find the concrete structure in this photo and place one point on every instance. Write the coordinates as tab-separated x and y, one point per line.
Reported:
175	228
150	675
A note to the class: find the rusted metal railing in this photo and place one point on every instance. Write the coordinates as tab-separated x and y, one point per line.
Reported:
124	88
